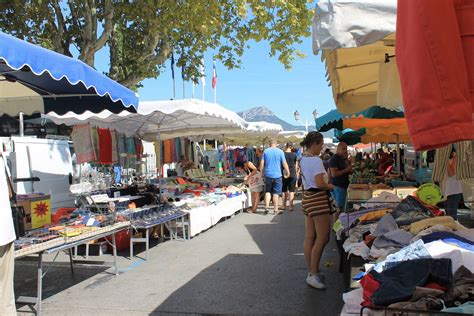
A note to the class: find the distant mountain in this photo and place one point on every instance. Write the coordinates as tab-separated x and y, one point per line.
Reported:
263	113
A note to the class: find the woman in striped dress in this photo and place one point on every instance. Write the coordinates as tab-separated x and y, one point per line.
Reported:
316	206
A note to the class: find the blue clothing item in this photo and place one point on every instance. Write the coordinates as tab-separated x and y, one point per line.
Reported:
466	308
444	236
416	250
274	159
273	185
340	195
460	244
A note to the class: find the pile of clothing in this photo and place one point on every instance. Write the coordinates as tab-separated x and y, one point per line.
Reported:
419	259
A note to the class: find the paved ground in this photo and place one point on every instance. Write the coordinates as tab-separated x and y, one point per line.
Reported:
249	264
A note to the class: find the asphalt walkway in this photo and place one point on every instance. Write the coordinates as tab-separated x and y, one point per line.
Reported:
249	264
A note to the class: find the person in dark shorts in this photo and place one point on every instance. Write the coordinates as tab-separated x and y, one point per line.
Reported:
289	184
273	160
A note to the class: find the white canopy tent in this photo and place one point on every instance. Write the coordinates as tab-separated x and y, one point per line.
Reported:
160	120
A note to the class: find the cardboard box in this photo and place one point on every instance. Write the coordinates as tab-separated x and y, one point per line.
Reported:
37	210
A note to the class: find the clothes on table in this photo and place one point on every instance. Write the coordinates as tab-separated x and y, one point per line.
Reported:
396	284
385	198
413	251
466	233
463	286
459	256
466	308
447	221
410	210
423	299
430	230
446	236
386	224
395	238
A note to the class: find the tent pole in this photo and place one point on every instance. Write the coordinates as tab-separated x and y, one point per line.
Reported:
398	155
22	125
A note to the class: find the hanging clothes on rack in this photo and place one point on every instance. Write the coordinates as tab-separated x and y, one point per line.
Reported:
105	146
83	145
138	147
95	141
464	169
113	135
168	151
121	148
130	146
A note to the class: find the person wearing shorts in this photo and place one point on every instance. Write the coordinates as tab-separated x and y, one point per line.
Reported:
316	207
273	160
289	184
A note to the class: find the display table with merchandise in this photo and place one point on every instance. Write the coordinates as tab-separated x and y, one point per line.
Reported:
391	244
148	218
65	243
203	216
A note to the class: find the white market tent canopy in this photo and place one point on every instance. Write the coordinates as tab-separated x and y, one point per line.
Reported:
162	119
358	45
254	134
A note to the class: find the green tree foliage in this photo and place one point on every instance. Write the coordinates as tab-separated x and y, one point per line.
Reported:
142	34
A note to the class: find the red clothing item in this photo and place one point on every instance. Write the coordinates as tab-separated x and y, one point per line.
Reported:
105	146
384	162
369	286
435	49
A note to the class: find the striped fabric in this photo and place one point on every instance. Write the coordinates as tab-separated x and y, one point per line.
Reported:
465	166
441	163
465	162
315	203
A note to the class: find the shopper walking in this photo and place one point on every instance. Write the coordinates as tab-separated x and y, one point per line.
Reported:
289	184
316	207
7	236
340	167
452	187
273	159
254	179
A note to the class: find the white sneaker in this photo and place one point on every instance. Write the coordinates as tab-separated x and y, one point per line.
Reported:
315	281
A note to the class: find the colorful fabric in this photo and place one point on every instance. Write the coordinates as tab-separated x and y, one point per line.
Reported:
95	142
105	146
121	148
83	146
168	151
316	203
115	158
436	70
130	146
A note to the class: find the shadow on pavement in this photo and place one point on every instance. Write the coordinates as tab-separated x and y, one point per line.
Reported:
272	282
58	279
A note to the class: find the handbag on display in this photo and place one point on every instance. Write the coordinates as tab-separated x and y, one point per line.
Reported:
18	212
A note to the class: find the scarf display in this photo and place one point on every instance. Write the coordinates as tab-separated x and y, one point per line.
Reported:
83	145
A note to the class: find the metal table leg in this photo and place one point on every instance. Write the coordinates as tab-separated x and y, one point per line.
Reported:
131	244
71	261
114	247
39	285
183	227
162	237
147	242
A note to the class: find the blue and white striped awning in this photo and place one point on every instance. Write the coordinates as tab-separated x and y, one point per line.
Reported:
35	79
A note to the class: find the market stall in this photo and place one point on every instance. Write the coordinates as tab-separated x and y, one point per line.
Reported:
34	79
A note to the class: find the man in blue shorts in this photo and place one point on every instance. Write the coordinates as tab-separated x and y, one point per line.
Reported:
341	168
273	160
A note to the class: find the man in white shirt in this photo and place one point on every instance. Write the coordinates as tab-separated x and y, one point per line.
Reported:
7	236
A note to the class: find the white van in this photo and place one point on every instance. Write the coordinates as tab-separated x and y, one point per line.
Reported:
49	160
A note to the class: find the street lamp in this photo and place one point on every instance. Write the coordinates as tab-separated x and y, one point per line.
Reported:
297	116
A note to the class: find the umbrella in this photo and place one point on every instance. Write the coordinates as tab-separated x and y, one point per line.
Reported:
35	79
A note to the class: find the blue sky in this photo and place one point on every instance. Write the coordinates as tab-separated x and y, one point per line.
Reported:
262	81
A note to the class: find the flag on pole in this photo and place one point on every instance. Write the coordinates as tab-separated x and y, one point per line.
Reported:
172	75
203	79
214	75
172	66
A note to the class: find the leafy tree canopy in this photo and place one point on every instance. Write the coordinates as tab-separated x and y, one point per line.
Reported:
142	34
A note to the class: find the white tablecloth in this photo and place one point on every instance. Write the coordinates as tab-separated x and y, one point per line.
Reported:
202	218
